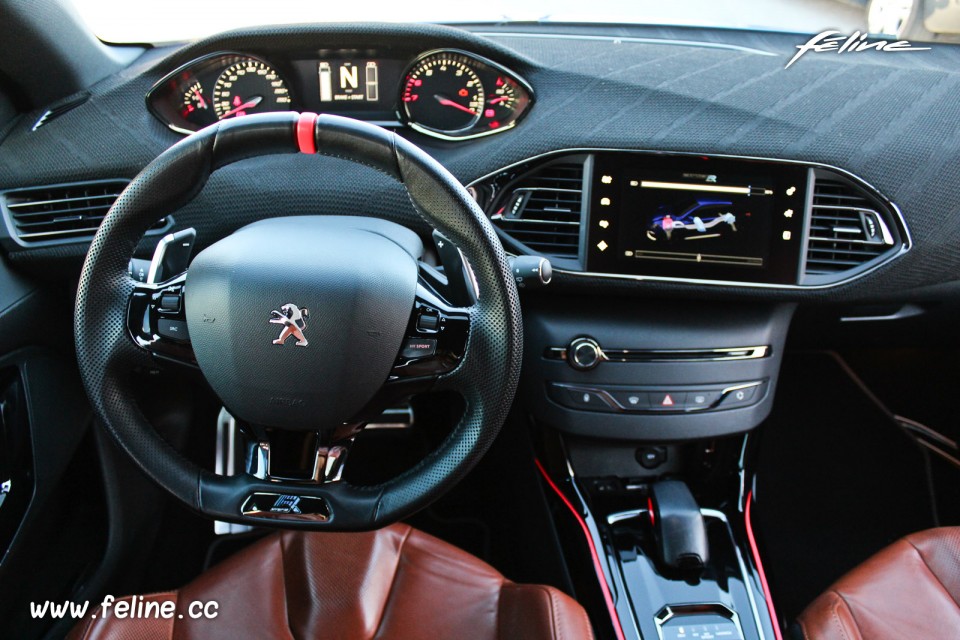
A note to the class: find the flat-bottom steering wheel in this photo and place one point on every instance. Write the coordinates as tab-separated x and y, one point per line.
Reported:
305	323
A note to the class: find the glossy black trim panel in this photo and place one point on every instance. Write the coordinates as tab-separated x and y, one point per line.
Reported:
575	272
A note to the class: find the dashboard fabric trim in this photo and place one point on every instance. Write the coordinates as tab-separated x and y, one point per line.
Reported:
616	40
889	119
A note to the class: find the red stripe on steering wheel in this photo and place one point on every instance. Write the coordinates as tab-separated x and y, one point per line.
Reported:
306	137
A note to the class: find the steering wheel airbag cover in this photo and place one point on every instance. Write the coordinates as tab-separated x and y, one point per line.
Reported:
296	322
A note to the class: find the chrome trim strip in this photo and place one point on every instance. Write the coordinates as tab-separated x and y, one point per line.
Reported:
404	419
603	394
671	611
851	230
842	207
907	238
36	203
738	387
85	232
535	221
708	355
225	464
630	39
620	516
556	189
906	311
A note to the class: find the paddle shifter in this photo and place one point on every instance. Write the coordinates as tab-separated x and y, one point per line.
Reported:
679	528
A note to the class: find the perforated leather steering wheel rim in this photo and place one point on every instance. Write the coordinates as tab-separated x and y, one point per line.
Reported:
487	376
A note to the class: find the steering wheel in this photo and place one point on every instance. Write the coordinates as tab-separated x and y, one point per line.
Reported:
309	324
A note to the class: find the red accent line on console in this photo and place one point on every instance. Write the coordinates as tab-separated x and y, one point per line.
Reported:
756	560
611	607
306	132
650	512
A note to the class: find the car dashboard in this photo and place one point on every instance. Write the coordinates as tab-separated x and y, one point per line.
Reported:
607	108
692	195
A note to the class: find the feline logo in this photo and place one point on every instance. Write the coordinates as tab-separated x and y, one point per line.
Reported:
834	41
294	321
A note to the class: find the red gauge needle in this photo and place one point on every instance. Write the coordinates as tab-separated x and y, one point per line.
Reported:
499	99
447	102
203	103
249	104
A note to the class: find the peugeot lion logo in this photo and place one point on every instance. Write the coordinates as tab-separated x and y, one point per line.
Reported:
294	321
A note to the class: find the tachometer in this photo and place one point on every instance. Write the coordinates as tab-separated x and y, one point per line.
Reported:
194	107
507	101
443	93
249	86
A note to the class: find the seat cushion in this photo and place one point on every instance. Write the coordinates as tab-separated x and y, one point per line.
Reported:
911	589
393	583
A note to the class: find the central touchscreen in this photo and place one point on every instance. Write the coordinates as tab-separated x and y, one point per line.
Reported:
678	216
708	218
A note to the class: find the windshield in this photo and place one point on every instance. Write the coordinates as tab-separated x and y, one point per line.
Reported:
132	21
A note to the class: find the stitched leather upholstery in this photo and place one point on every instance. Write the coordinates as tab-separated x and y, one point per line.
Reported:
911	589
393	583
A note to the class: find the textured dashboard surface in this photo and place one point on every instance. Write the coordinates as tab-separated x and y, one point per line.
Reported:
889	118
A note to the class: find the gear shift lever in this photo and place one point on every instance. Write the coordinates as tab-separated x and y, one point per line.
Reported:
679	528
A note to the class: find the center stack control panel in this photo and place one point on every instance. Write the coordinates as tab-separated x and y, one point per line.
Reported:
639	371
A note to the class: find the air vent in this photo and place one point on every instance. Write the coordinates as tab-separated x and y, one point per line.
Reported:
63	212
848	228
58	109
543	208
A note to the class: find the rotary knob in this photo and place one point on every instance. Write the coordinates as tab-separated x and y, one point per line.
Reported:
584	354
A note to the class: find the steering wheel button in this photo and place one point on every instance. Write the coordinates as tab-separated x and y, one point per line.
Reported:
419	348
173	330
170	302
428	323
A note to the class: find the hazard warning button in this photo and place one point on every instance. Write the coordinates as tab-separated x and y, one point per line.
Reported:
668	400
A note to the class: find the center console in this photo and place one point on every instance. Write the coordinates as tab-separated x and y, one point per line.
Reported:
632	396
645	406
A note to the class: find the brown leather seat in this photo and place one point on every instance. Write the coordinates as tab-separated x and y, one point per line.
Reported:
911	589
393	583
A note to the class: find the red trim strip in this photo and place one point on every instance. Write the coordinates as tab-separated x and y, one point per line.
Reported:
611	607
756	561
306	132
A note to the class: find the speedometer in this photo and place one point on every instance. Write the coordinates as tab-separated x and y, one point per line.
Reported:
442	93
249	86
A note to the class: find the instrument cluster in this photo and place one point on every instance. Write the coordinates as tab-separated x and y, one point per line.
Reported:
444	93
